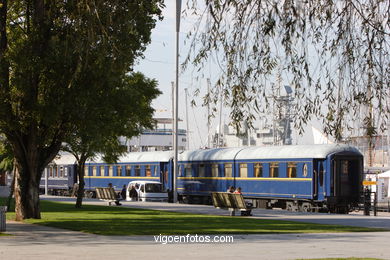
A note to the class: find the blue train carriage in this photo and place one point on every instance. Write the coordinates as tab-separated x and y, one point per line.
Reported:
59	176
134	166
306	178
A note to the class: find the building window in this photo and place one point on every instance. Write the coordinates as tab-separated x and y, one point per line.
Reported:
228	170
274	170
243	170
258	170
214	170
292	170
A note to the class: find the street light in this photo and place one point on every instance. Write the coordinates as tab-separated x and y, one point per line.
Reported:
176	98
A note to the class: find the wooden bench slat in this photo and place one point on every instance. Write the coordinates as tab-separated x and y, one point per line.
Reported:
106	194
226	200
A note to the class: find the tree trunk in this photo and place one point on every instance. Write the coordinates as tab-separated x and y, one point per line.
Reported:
80	191
26	191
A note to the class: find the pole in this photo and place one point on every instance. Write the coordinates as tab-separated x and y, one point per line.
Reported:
187	130
249	136
208	116
175	166
220	122
46	183
173	113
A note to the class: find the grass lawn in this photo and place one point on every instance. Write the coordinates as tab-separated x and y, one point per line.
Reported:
105	220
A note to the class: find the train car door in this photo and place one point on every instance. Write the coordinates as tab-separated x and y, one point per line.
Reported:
347	176
165	178
319	179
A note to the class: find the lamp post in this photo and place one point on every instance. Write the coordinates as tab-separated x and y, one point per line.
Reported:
175	139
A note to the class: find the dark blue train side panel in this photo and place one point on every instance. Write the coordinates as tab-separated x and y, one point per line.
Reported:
252	187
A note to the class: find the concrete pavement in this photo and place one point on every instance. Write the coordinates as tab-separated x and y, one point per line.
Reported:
39	242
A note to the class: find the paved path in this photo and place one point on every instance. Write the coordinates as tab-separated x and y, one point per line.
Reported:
38	242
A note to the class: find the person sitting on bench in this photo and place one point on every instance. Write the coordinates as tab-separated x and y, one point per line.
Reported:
117	199
248	204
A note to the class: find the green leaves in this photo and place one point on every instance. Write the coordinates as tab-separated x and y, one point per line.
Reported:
64	74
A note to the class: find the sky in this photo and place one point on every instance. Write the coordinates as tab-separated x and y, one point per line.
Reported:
159	63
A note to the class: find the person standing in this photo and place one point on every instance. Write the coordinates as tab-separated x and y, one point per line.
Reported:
123	192
133	193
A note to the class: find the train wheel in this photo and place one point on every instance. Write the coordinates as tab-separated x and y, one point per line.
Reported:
305	207
291	206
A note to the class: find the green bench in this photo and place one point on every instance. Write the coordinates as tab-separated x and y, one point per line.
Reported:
231	201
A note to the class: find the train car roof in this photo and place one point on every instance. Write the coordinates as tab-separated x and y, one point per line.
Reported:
267	152
132	157
294	151
210	154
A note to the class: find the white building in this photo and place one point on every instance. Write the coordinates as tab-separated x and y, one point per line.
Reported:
157	139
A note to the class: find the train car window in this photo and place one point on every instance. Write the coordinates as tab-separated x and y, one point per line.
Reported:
322	175
66	172
304	170
187	170
214	170
228	170
128	170
50	171
202	171
93	170
61	172
243	170
154	170
258	170
110	170
292	170
180	172
137	170
148	171
55	172
274	170
344	167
